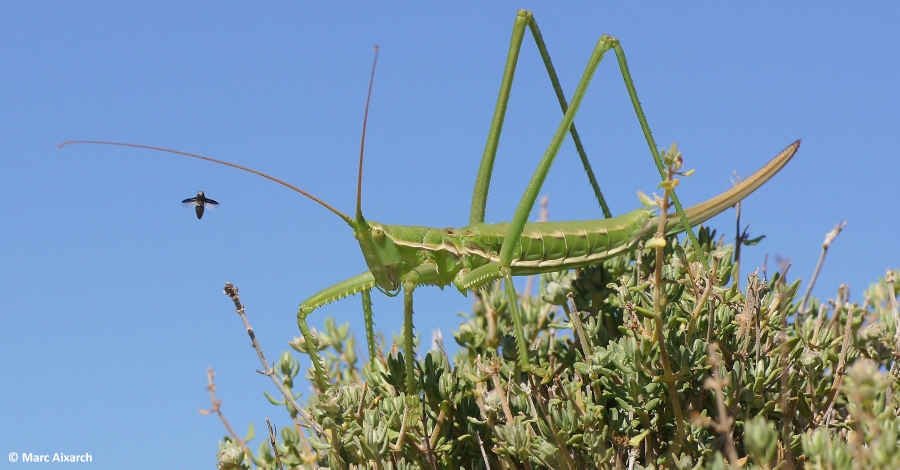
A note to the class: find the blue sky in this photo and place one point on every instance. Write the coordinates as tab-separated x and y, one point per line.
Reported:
112	304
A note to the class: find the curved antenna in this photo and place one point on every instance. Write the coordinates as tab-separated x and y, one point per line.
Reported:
221	162
362	144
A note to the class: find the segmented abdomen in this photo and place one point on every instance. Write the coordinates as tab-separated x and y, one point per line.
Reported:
560	244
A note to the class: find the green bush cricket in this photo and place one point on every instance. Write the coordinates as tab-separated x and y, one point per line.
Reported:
404	257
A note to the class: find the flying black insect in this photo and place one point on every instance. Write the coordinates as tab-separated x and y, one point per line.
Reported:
200	202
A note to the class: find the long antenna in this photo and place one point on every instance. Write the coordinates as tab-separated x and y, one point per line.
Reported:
221	162
362	143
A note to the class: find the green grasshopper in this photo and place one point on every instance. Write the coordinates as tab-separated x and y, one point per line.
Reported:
401	257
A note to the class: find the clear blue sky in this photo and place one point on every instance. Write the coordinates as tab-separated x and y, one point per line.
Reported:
111	291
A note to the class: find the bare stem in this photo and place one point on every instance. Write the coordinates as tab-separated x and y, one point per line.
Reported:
274	444
892	298
217	409
494	372
827	243
711	280
724	422
426	443
399	445
579	328
659	314
787	405
560	442
436	432
739	237
839	370
487	463
232	291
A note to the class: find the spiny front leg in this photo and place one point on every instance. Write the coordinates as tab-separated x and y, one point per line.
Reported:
361	283
370	325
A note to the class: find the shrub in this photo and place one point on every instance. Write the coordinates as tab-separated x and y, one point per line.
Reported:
708	376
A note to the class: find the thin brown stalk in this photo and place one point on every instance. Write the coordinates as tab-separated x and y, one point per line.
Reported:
399	445
739	236
436	432
426	443
303	440
749	317
704	298
491	317
437	338
494	372
232	291
560	442
637	263
709	336
773	307
487	463
817	327
892	298
749	313
829	238
788	406
274	444
693	275
724	423
479	398
217	409
839	370
579	328
843	297
659	314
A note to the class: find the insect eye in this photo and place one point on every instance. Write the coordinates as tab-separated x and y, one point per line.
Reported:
377	233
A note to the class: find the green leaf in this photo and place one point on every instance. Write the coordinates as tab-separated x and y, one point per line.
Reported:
317	444
272	400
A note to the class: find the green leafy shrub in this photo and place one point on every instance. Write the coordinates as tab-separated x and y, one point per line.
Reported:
707	377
